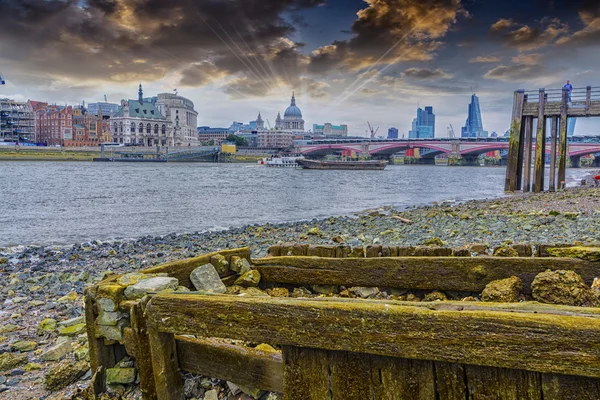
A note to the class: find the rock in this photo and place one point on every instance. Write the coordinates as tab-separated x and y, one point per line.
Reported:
220	263
57	352
364	292
505	251
108	317
234	289
10	328
192	387
24	346
301	292
523	250
112	332
71	322
583	253
46	325
211	395
11	360
206	278
130	279
435	241
145	286
109	296
71	331
120	376
435	296
3	260
255	393
33	367
412	297
82	353
278	292
315	231
71	296
63	374
325	289
248	279
562	287
240	265
469	298
266	347
252	291
503	290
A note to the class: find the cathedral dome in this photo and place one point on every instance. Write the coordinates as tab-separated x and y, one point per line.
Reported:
293	111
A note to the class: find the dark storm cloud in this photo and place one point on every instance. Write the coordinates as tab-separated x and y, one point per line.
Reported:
390	30
129	40
524	37
424	73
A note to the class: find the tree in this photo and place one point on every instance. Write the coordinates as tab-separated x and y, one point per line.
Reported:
239	141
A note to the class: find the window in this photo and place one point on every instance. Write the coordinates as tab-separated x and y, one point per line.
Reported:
133	127
121	127
156	129
115	127
141	128
148	128
164	129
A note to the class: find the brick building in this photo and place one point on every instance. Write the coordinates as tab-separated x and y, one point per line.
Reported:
90	131
53	124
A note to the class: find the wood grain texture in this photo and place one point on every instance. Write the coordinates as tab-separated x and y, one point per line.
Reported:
564	387
167	377
306	374
487	383
143	353
243	365
428	273
451	381
566	343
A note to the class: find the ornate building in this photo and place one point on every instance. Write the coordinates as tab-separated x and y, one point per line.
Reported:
292	118
184	119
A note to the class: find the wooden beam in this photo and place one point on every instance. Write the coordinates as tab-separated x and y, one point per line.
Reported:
553	134
182	269
588	100
167	378
242	365
143	356
540	146
535	341
515	141
519	177
102	356
428	273
562	148
528	151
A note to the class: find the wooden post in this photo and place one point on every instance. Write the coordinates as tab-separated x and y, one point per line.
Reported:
562	152
520	155
143	356
514	149
528	151
169	385
588	100
553	133
540	146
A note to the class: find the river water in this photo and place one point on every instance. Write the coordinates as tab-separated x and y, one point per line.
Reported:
71	202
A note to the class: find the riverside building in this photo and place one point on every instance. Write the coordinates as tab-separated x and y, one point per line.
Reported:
17	122
474	125
329	130
184	119
423	127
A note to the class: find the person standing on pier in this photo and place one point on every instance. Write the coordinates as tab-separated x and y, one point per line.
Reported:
570	88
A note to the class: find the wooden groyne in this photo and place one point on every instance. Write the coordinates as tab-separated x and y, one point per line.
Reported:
350	348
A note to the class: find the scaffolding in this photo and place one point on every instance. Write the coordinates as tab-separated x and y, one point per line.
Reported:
17	122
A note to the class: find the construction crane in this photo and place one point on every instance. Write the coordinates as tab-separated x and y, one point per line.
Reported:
105	100
371	131
268	123
451	132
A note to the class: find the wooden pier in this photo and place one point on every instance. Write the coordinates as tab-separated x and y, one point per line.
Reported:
557	106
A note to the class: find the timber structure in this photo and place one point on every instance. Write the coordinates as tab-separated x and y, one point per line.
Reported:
556	106
354	349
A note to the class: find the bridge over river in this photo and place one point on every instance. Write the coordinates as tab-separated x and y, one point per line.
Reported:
467	150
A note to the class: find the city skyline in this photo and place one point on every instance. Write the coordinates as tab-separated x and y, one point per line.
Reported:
348	61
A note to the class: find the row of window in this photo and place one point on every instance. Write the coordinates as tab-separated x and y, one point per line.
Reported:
119	128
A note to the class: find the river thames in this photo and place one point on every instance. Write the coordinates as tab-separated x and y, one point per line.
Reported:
59	203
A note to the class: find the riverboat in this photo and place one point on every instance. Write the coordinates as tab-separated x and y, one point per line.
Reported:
281	161
344	165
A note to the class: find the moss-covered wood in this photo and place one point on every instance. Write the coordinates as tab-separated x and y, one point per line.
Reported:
143	355
500	383
242	365
427	273
306	374
536	341
564	387
165	365
102	356
182	269
451	381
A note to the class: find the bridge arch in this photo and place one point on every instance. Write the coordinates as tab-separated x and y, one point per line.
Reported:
393	148
476	151
584	152
324	150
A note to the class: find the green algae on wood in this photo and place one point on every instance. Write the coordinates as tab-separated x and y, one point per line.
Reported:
581	252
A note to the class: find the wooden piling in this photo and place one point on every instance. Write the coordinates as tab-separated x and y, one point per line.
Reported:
553	134
588	100
540	146
562	157
528	153
165	365
512	168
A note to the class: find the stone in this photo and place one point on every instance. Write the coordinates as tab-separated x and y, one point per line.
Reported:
325	289
211	395
562	287
47	325
57	352
240	265
435	296
192	387
71	296
108	317
112	332
505	251
109	296
364	292
266	347
11	360
252	291
301	292
523	250
233	388
412	297
64	373
220	263
73	330
24	346
82	353
8	328
130	279
503	290
435	241
33	367
248	279
583	253
254	392
145	286
278	292
315	231
71	322
120	376
206	278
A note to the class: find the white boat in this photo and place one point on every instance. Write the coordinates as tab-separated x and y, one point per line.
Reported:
281	161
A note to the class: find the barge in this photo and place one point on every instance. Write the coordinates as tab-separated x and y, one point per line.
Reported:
343	165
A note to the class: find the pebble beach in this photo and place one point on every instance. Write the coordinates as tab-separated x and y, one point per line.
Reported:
41	295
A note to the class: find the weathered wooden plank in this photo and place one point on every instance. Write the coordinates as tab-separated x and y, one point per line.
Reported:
487	383
528	152
553	137
143	354
512	168
565	387
182	269
540	146
101	355
543	342
427	273
321	251
450	379
401	379
243	365
562	148
167	378
343	251
306	374
350	375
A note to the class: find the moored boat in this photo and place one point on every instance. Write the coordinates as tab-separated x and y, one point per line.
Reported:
344	165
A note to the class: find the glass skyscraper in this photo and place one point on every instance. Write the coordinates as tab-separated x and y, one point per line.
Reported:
423	127
474	125
571	122
392	133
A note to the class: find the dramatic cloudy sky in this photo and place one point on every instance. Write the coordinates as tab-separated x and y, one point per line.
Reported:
349	61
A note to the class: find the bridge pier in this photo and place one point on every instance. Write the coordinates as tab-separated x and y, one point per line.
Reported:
575	162
464	161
